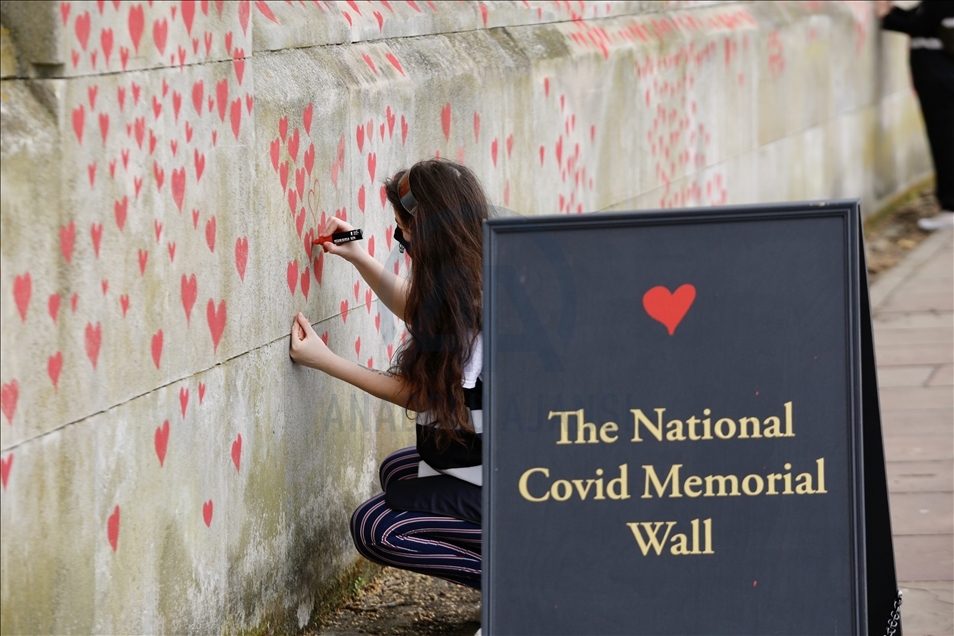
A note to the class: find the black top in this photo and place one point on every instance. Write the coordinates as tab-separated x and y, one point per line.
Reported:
442	454
923	21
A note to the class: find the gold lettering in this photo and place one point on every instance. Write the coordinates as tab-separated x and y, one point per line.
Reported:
820	462
557	486
622	481
599	484
651	541
522	484
564	423
719	432
679	546
708	526
588	427
640	418
803	484
706	425
673	477
787	478
734	492
580	490
692	421
675	434
749	490
690	483
788	420
606	432
743	427
775	430
772	478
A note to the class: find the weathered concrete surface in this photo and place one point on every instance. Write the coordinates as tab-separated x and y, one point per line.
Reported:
914	342
164	165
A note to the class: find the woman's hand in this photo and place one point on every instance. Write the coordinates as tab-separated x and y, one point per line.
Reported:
351	250
883	8
307	347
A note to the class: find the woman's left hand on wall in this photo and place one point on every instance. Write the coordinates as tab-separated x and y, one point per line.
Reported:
307	348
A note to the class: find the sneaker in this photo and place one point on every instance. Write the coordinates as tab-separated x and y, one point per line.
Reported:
940	220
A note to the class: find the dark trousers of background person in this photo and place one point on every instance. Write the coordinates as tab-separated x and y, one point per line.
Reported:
933	76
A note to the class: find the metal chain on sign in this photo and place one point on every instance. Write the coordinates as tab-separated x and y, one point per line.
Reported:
894	619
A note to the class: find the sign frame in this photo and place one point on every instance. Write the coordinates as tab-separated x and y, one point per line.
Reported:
868	518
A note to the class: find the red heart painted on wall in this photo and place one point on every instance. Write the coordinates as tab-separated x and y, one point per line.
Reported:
157	347
446	120
669	308
306	117
5	465
162	441
235	116
9	394
305	282
54	364
317	266
67	237
189	288
222	97
207	513
160	28
183	400
22	290
198	93
210	234
241	255
293	142
216	319
112	524
178	186
237	452
119	211
93	338
96	233
291	274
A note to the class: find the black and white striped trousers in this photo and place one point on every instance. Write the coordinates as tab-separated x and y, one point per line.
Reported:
445	547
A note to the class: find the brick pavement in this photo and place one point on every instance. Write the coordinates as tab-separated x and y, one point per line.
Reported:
913	307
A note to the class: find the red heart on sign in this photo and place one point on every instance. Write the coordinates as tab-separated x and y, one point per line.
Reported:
669	308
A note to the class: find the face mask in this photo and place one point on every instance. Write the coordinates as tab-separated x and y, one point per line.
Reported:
399	237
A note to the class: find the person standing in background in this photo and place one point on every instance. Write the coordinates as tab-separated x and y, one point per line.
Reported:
931	28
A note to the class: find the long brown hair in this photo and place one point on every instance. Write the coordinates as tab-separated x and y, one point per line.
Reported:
444	304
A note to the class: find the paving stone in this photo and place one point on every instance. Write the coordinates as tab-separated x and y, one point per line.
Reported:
917	421
927	608
918	448
942	376
924	557
916	397
923	301
905	376
921	513
912	320
921	476
926	335
913	354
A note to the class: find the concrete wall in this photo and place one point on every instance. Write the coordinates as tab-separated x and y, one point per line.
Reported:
165	467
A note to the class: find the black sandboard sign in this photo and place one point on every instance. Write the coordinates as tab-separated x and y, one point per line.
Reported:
683	425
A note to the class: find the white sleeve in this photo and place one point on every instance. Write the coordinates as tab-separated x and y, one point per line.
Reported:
475	363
